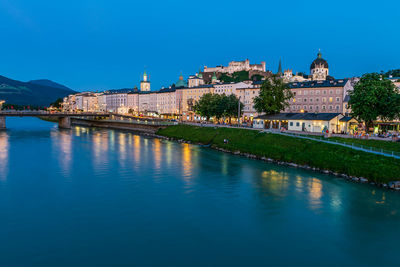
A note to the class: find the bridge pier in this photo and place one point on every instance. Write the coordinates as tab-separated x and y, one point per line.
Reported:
2	122
64	123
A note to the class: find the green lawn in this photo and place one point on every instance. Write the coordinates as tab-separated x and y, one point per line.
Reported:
289	149
385	145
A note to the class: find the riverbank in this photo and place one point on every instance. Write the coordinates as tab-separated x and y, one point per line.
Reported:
326	158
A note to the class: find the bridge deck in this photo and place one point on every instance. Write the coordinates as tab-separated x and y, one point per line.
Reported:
45	114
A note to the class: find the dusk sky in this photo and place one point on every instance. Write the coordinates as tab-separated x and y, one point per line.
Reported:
98	44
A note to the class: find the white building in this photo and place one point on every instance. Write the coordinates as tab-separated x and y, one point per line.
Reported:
302	122
196	80
115	101
230	88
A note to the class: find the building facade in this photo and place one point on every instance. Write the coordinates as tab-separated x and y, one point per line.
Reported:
319	96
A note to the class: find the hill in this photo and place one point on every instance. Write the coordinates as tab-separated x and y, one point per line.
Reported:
49	83
37	92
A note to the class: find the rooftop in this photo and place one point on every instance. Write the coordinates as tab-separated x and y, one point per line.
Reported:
318	84
300	116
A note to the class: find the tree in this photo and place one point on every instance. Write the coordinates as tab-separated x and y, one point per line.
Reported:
374	97
232	106
238	76
218	106
204	106
57	103
273	97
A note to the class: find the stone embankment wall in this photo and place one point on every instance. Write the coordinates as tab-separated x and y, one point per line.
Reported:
145	128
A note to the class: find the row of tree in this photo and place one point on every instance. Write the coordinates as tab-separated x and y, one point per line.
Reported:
218	106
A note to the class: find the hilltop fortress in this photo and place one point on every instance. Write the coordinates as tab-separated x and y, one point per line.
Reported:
235	66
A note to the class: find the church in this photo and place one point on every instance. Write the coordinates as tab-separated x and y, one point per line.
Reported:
145	83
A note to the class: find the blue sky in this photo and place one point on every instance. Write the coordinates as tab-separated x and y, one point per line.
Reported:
98	44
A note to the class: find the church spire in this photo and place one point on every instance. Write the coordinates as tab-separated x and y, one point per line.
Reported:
280	68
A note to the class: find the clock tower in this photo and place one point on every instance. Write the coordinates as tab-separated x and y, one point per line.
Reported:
145	83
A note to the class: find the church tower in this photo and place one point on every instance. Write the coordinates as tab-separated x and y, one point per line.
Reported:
145	83
279	73
319	68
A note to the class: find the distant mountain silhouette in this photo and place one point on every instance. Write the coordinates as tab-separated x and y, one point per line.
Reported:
36	92
49	83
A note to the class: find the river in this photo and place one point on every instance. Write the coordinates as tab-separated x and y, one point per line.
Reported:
100	197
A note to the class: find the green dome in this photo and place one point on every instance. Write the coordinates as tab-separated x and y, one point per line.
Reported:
181	82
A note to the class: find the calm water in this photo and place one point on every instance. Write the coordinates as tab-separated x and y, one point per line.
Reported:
93	197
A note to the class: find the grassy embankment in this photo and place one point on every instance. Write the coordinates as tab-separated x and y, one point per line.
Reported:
385	145
289	149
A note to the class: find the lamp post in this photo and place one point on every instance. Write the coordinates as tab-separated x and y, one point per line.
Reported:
337	120
238	118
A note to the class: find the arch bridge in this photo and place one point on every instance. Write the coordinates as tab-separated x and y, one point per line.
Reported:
64	118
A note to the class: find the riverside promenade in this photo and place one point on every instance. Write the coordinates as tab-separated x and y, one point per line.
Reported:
314	137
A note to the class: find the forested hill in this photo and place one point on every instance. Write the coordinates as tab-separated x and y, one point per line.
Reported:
36	92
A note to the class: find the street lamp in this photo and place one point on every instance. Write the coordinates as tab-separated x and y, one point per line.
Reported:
238	118
337	120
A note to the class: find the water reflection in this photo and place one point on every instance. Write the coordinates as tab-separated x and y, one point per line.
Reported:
315	192
122	148
137	149
100	151
62	141
4	147
276	183
187	163
157	154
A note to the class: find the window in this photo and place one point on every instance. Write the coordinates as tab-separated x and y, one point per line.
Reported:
337	92
337	99
330	99
297	124
291	123
337	108
324	92
310	107
324	99
330	92
305	99
317	99
311	99
317	92
323	107
330	107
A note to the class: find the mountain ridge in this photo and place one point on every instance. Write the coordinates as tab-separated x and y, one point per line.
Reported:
36	92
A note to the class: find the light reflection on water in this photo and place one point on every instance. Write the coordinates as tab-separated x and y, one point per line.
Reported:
83	189
4	146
